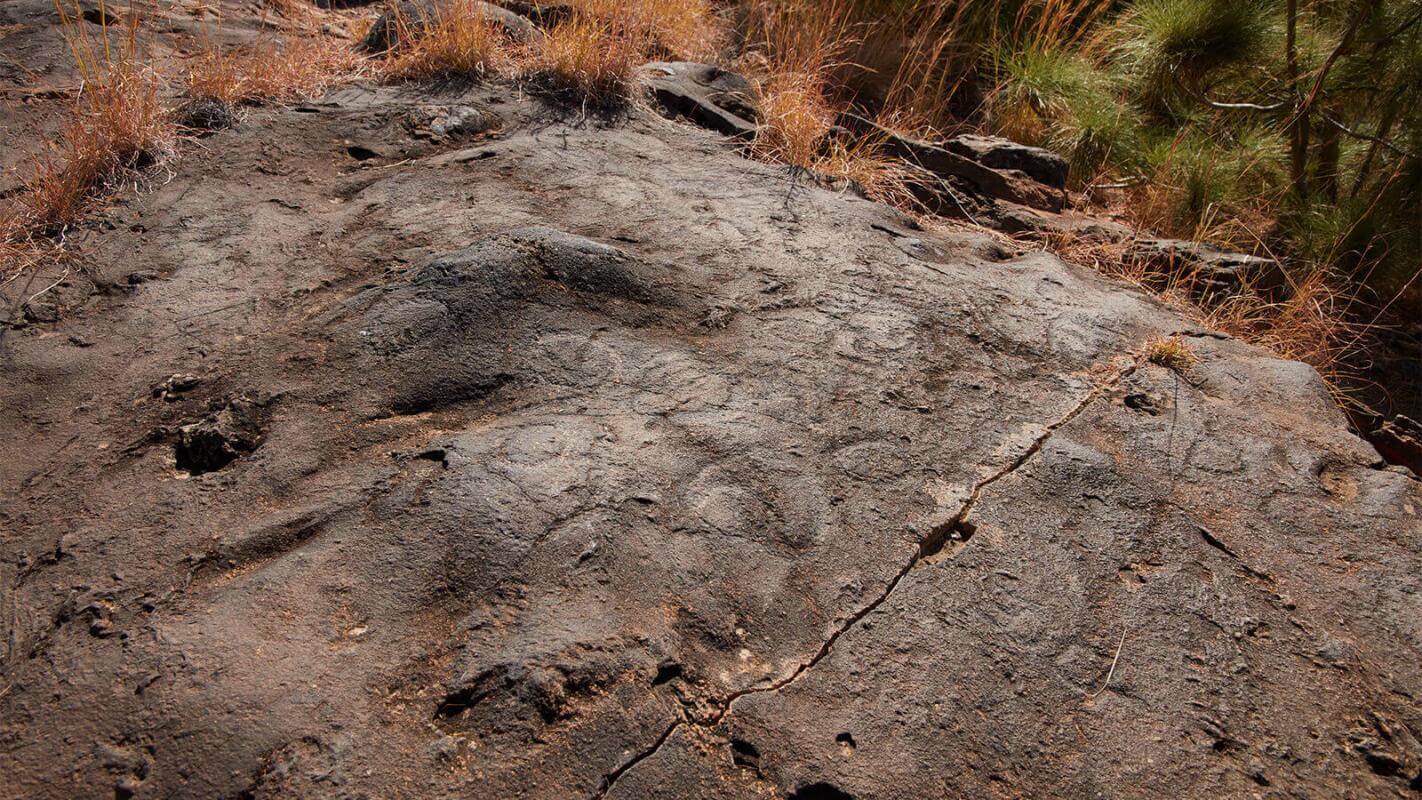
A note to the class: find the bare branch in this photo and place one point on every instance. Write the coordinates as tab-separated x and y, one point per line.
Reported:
1244	106
1367	137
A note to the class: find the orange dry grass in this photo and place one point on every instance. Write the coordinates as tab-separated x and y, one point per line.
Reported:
268	72
880	176
808	35
119	124
798	128
796	118
1312	324
678	29
1153	205
23	257
1171	353
457	43
588	62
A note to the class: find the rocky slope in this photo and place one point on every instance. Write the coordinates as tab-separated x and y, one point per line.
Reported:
555	459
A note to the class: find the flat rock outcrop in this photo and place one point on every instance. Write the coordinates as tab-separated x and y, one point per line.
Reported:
602	462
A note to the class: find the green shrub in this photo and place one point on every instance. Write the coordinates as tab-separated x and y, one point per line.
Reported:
1098	131
1169	45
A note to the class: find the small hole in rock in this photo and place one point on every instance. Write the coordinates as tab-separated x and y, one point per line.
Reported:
846	742
744	754
962	531
666	673
362	153
821	791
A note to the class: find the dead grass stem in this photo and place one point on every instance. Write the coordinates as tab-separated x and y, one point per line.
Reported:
1311	322
675	29
586	62
268	72
457	43
119	124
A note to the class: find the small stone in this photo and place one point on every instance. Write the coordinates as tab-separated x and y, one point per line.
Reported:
41	311
175	386
705	94
445	748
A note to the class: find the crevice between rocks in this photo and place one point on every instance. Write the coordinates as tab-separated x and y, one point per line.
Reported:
929	549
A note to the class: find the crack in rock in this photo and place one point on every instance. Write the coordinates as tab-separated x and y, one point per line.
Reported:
958	529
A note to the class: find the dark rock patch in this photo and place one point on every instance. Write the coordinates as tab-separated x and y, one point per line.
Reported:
40	311
234	430
704	94
745	755
1042	166
820	791
1208	270
415	15
1399	440
959	173
546	13
448	389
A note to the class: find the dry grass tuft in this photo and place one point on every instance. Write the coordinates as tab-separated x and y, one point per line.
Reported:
677	29
797	117
457	43
798	128
1171	353
1313	324
271	72
794	52
1310	324
878	175
588	63
119	124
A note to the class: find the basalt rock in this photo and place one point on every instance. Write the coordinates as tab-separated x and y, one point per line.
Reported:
612	465
384	33
1399	440
233	430
1204	269
956	172
1039	164
1016	219
704	94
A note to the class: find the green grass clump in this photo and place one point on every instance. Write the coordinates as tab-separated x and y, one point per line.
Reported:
1098	132
1202	178
1169	45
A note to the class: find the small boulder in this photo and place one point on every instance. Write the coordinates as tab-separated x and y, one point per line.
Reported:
957	170
546	13
1208	269
1014	219
235	429
405	15
705	94
1399	441
176	386
450	122
1042	166
41	311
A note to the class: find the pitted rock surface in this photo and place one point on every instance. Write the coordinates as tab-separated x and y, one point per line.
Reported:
606	463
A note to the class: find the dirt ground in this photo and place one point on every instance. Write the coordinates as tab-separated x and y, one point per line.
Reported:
575	459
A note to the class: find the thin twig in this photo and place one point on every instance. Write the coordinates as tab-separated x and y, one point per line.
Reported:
1112	672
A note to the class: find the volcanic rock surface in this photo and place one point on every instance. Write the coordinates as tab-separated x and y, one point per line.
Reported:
590	460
